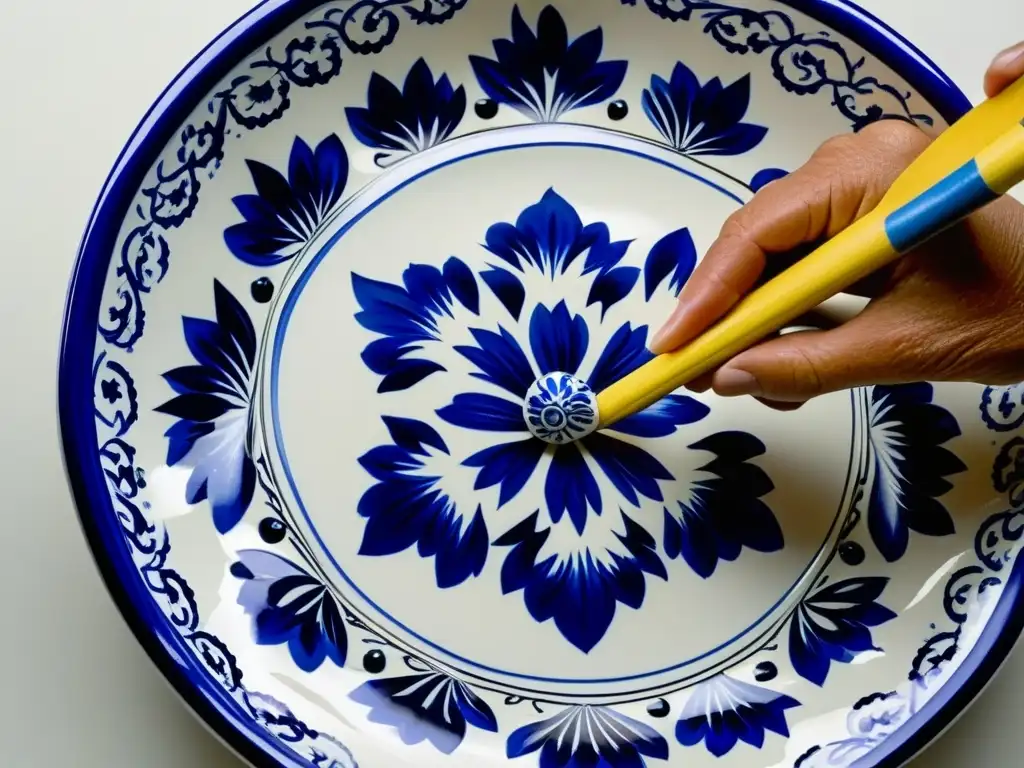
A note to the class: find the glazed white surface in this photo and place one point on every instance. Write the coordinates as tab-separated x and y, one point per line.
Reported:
79	690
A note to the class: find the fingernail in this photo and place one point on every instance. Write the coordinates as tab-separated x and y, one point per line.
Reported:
1010	56
659	340
733	382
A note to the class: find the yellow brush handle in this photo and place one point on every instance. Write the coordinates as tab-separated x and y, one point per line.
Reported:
971	163
799	289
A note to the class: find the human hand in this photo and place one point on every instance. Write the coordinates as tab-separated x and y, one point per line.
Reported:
953	310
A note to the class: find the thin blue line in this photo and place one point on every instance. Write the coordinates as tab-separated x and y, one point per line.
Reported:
275	367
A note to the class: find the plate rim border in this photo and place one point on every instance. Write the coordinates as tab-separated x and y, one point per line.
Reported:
209	703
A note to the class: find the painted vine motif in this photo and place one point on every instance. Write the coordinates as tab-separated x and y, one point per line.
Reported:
543	74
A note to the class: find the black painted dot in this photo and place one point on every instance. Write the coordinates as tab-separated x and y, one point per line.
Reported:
272	530
765	671
851	553
262	290
486	109
659	708
618	109
375	661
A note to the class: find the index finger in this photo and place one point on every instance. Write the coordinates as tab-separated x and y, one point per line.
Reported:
844	179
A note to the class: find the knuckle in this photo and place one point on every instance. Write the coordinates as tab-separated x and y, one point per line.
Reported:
899	136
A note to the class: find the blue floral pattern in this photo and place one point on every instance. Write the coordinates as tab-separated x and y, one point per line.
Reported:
586	737
285	213
1002	408
833	624
724	711
408	505
399	122
407	316
289	606
700	119
544	74
912	467
252	100
802	63
426	705
212	397
212	434
560	408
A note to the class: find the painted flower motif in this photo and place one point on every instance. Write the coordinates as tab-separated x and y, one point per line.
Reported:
408	507
911	467
559	409
427	705
284	214
579	591
212	405
725	511
1002	408
578	579
419	116
833	624
588	737
408	315
558	343
544	75
173	198
724	711
288	605
700	119
256	103
549	236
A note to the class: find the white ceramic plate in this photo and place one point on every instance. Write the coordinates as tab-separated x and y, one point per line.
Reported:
297	409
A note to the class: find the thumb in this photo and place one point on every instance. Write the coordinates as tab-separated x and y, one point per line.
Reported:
1005	69
798	366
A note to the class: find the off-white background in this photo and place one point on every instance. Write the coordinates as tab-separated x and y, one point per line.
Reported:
75	77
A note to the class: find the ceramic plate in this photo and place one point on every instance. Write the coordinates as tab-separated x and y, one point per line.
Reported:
326	382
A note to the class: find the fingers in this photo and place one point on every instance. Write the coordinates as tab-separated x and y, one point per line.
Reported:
845	178
1005	69
873	348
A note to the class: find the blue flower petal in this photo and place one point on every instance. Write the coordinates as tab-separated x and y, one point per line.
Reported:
288	605
674	254
412	435
723	711
426	706
462	284
630	469
211	436
508	465
558	340
588	737
725	512
407	373
500	360
625	351
484	412
612	287
701	120
507	288
420	115
283	215
662	418
833	624
908	432
571	487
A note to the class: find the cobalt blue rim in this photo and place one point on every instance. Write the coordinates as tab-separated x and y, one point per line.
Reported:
153	630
